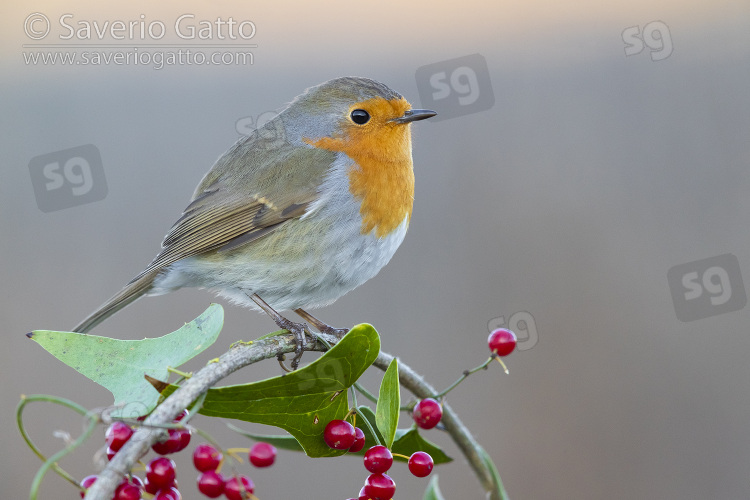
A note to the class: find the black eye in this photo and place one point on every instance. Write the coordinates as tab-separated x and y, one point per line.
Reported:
360	116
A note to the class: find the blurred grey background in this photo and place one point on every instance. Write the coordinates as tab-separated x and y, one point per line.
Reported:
590	176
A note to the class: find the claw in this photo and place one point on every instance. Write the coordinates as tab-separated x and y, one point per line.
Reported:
322	327
281	358
297	329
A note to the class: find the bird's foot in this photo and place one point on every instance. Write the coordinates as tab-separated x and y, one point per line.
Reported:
296	329
320	326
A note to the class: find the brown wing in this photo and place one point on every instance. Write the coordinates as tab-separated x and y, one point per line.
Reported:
250	191
231	210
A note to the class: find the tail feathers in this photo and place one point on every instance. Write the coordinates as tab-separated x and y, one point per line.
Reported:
132	291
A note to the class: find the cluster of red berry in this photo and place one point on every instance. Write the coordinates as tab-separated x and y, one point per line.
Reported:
341	435
161	472
213	484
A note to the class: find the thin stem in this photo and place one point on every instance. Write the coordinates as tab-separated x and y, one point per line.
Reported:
361	415
463	377
369	427
22	429
181	374
234	453
365	392
51	462
205	435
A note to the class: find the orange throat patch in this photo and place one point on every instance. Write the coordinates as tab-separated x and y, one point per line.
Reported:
382	176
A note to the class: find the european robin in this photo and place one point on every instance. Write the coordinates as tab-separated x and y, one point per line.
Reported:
295	215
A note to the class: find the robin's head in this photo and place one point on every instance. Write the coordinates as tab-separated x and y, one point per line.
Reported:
357	115
370	124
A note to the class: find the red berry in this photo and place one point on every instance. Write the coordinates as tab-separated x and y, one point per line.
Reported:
206	457
502	341
378	459
171	493
234	491
150	487
160	472
86	483
137	481
211	484
420	464
339	435
362	494
184	438
262	455
110	453
117	435
171	445
127	491
359	440
427	413
379	487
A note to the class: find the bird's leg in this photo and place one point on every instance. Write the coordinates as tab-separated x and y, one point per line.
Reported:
297	329
322	327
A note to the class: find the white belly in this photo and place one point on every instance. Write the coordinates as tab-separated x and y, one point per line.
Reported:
307	263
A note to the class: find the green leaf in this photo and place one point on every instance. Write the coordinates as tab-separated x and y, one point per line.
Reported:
304	401
369	439
120	365
290	443
433	490
389	404
498	491
282	442
410	440
407	440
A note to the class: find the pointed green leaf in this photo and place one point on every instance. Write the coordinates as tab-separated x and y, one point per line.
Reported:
433	490
410	440
369	439
389	404
304	401
282	442
407	440
498	490
119	365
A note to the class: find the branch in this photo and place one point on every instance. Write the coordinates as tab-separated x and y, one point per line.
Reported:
239	356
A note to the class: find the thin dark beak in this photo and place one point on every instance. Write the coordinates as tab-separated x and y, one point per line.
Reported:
414	115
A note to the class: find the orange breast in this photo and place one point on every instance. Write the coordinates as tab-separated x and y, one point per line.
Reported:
383	176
